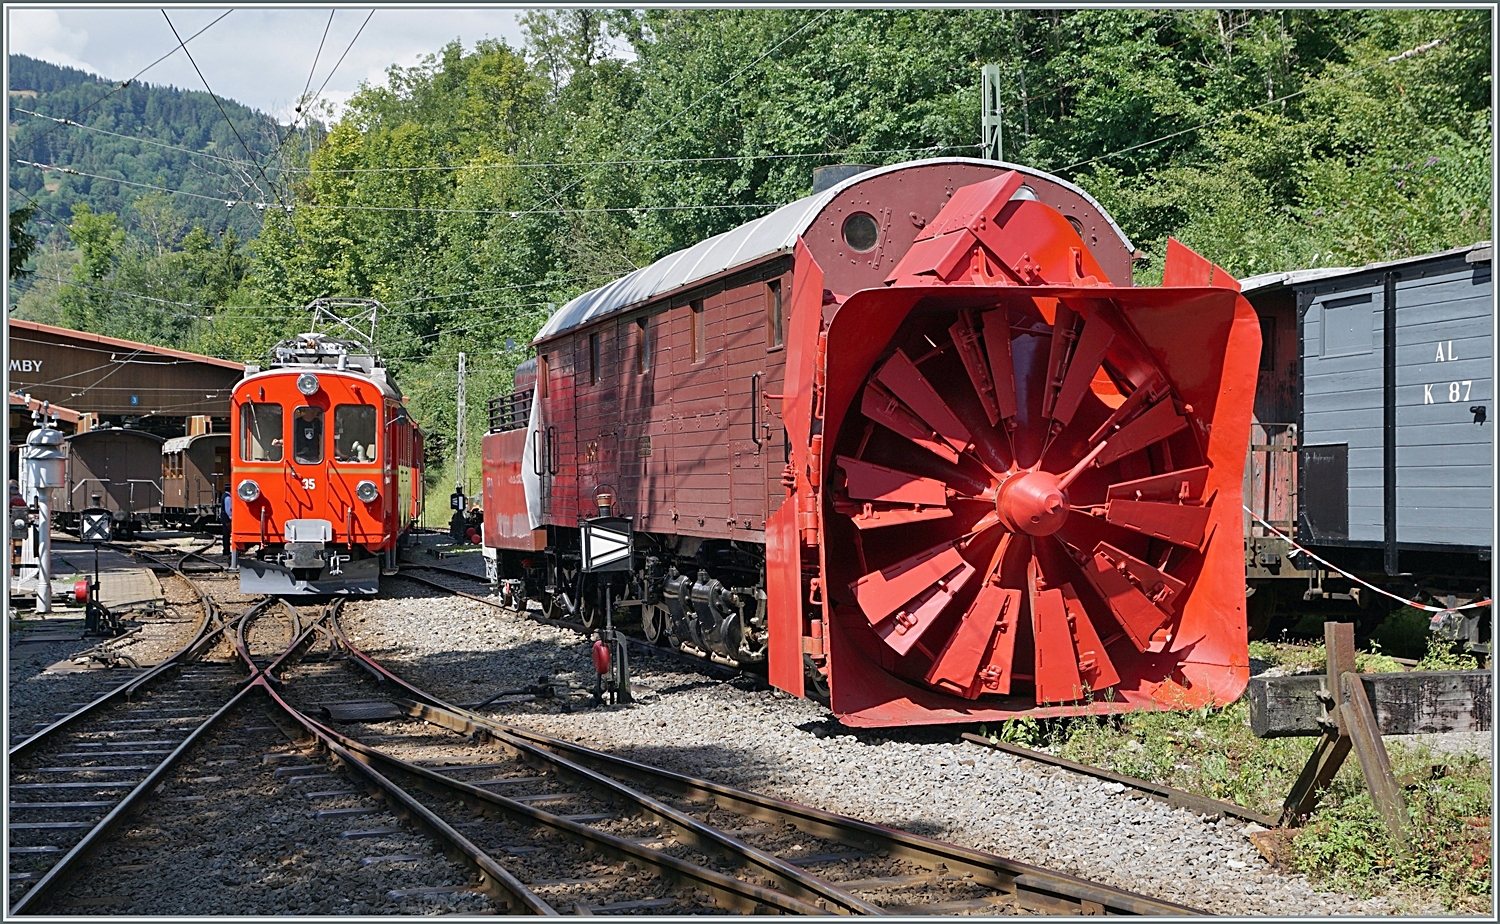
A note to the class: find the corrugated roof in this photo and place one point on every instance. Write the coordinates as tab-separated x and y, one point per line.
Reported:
69	333
763	237
1480	252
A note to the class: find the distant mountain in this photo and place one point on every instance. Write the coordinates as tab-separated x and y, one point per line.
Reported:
142	113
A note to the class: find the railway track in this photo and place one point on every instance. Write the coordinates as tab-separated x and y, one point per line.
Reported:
74	781
523	794
543	826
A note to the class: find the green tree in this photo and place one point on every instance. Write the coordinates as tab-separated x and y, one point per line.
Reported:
22	242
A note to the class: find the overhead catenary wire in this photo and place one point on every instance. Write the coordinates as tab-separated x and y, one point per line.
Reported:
181	45
270	187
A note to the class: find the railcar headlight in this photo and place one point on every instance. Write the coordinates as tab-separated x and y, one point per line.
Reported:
367	491
248	490
307	383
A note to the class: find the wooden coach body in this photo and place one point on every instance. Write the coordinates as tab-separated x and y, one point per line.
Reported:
116	468
195	472
664	396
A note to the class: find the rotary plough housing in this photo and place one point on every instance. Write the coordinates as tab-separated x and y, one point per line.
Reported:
1027	479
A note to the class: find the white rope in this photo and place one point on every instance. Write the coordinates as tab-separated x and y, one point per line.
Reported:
1328	564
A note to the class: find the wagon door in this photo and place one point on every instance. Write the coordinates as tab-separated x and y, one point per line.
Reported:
754	327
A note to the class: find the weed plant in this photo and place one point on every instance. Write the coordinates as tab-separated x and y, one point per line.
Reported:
1344	844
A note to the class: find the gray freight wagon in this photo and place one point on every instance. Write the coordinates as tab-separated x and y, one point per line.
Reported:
1375	432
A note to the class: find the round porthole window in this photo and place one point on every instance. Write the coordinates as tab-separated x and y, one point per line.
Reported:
861	232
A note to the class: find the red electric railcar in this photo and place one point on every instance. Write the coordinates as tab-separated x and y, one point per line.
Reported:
327	470
915	442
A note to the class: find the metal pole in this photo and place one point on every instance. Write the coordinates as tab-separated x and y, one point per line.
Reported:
989	111
43	527
462	444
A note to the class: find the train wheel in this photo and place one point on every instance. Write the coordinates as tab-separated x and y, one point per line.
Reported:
654	623
591	610
1023	491
815	681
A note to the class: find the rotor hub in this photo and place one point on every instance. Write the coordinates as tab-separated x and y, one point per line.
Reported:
1032	503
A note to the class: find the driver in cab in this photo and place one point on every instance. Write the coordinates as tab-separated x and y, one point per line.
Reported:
307	435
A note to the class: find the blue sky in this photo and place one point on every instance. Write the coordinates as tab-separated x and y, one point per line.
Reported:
258	56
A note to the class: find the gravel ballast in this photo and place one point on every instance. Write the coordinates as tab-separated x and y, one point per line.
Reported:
740	733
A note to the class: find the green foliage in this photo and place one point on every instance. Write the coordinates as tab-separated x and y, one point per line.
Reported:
478	190
1443	655
1403	633
1347	846
22	242
166	115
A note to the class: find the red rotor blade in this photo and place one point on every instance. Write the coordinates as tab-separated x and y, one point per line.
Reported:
992	615
1148	392
1097	670
1002	364
1124	581
886	409
868	481
1064	333
906	382
903	629
1057	678
1086	359
1183	484
1158	423
966	340
881	593
869	516
995	676
1179	524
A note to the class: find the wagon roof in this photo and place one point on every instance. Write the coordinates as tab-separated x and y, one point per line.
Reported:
116	431
763	237
179	443
1265	282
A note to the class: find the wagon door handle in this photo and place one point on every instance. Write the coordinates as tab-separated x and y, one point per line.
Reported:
538	457
552	451
755	408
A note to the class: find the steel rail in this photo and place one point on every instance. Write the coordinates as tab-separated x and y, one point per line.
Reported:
735	893
1034	885
65	867
1202	805
496	881
788	878
204	636
1046	888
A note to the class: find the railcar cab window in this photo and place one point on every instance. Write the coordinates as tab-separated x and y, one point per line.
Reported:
260	432
307	435
354	433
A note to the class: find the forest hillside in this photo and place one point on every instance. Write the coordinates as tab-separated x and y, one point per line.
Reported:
474	193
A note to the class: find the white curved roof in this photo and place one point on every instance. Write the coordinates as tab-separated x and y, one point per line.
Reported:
767	235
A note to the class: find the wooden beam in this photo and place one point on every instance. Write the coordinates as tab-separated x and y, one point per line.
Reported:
1416	702
1359	723
1325	761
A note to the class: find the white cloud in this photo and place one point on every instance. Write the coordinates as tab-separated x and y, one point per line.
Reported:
259	57
41	34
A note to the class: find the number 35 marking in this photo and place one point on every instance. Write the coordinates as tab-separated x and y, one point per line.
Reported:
309	484
1457	391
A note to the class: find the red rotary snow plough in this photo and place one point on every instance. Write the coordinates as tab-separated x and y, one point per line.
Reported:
1015	487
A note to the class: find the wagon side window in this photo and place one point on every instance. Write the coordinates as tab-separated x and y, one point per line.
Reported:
354	433
307	435
260	433
774	324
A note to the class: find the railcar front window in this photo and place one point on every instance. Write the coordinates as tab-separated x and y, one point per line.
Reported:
307	435
260	433
354	433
